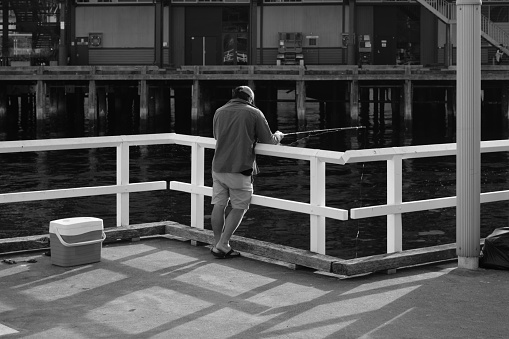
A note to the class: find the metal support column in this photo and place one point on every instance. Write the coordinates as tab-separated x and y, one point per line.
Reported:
352	43
448	45
253	30
158	43
62	46
5	32
468	132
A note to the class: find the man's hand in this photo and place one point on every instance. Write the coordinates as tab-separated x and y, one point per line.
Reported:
280	135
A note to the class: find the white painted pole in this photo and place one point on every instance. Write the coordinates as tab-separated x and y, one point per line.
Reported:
197	179
468	133
394	196
317	188
123	179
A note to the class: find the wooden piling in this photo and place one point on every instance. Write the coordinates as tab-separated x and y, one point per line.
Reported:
3	109
300	90
102	110
91	117
195	107
450	121
407	99
25	112
354	102
143	93
376	107
505	108
160	118
382	98
183	105
40	114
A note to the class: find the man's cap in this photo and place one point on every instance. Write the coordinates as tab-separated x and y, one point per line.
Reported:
245	89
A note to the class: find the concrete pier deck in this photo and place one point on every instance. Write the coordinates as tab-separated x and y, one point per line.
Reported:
162	287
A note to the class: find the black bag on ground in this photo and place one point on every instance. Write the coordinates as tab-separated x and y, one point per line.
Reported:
495	252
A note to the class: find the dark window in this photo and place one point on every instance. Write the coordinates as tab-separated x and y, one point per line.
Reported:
235	19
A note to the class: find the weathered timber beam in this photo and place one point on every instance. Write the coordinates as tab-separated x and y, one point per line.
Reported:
265	249
133	232
113	234
36	242
390	261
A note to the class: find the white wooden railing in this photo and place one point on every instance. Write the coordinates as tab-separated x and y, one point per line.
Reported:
395	206
316	208
122	187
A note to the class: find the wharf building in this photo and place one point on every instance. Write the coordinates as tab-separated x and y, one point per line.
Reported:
79	67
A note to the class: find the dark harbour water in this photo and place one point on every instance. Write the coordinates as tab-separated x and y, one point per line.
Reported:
347	187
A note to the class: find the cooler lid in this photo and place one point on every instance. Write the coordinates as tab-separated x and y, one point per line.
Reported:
75	226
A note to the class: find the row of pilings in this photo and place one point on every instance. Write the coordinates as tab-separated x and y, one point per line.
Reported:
49	109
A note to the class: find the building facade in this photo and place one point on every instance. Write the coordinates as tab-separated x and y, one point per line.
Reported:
239	32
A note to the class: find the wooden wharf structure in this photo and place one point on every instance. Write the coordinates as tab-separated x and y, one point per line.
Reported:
43	92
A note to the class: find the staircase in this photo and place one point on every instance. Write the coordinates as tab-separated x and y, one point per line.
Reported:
446	12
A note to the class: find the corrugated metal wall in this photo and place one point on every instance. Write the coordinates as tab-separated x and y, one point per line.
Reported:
123	56
134	27
312	56
324	56
365	20
269	56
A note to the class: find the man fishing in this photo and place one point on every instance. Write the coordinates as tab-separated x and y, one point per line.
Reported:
237	127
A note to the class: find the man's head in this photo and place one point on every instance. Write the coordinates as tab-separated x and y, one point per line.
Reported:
244	93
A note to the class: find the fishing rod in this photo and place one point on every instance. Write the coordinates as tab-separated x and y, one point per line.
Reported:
327	130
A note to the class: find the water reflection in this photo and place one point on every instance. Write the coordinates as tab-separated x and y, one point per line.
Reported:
350	186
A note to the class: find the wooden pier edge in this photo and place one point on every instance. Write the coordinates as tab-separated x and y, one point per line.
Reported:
305	258
392	261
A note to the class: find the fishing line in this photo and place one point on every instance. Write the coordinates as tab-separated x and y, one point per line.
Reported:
317	132
360	201
327	130
358	226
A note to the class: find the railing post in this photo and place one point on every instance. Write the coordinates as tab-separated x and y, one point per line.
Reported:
197	179
394	196
317	191
123	179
